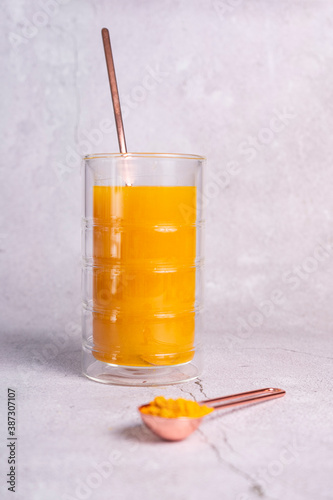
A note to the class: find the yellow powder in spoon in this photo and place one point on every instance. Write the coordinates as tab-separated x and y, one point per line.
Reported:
173	408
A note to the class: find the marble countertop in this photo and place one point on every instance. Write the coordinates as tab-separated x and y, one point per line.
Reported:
78	439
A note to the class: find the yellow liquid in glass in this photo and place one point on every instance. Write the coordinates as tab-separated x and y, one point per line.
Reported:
144	274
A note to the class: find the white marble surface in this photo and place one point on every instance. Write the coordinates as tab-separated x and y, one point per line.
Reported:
201	77
79	439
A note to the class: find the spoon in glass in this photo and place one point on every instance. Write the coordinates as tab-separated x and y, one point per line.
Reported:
178	428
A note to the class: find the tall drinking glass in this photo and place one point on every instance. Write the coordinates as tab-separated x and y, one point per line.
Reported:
142	268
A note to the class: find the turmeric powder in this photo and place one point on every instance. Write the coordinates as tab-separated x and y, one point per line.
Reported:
173	408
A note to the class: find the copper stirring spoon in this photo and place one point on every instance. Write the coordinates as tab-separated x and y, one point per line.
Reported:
176	429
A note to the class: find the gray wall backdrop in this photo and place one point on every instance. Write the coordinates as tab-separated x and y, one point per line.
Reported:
247	83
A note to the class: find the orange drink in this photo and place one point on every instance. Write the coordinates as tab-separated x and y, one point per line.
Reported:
144	274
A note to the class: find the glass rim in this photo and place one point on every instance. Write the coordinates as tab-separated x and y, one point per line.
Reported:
177	156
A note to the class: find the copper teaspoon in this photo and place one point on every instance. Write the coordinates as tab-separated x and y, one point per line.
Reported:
178	428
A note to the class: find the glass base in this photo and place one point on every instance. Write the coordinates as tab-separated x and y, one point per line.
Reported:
107	373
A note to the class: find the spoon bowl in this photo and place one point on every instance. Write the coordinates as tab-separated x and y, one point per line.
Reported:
171	429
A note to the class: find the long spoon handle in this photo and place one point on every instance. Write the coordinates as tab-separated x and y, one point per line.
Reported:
114	90
245	398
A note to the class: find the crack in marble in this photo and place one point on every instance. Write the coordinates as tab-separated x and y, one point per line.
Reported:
255	487
224	434
198	382
188	392
288	350
226	441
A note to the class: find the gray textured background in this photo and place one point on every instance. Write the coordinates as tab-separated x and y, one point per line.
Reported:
222	71
206	77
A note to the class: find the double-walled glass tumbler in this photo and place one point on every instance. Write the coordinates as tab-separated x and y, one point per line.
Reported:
142	268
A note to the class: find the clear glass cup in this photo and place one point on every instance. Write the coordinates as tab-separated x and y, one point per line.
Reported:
142	282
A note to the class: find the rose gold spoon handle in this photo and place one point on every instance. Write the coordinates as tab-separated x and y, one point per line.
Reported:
114	90
244	398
